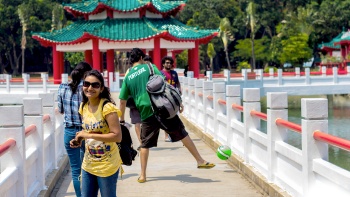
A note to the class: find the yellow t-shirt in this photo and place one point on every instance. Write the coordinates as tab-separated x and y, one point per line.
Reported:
101	158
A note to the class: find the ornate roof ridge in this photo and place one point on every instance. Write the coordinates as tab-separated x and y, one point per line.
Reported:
88	7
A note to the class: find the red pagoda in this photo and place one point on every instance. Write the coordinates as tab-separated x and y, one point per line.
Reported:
120	25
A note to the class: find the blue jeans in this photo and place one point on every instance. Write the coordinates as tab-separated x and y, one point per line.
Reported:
75	156
91	184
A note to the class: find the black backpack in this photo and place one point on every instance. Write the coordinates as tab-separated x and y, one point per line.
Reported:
126	150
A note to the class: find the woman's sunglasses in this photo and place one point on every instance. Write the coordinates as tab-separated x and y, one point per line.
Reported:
93	85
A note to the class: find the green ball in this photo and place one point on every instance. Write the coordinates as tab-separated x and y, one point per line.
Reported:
223	152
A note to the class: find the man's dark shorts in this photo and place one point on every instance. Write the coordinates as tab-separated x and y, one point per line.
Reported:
150	130
135	116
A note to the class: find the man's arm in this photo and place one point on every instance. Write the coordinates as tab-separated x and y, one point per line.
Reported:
122	105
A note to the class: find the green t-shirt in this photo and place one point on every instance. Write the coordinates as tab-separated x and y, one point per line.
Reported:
134	84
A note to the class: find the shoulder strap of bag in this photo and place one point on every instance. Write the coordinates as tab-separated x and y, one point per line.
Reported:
150	69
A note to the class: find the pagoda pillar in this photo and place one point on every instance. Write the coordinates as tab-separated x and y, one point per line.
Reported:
196	60
55	65
96	55
156	53
88	56
190	59
61	63
101	61
173	55
110	62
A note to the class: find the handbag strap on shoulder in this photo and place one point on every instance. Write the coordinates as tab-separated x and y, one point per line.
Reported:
150	68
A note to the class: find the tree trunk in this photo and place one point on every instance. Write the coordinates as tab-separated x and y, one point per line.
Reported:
23	50
1	65
228	60
253	55
14	60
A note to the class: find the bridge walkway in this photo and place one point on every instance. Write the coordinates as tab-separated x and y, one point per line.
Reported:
172	172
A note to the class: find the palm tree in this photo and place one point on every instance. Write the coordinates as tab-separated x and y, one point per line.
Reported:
23	17
211	53
252	23
224	34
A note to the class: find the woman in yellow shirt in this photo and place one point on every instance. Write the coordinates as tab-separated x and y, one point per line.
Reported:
101	131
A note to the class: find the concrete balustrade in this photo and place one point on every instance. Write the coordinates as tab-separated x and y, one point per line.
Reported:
28	166
267	158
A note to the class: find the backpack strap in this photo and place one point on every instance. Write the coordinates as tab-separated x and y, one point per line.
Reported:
151	70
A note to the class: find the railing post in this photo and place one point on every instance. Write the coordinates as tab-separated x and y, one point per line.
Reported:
116	84
25	78
11	126
297	72
220	131
277	104
314	113
185	100
307	76
190	74
280	77
227	75
335	75
8	78
260	73
271	72
251	101
323	70
348	70
244	74
233	96
208	105
44	77
33	115
209	75
64	77
110	81
191	100
199	106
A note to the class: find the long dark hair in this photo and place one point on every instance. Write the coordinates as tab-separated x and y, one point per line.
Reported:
136	54
78	74
105	92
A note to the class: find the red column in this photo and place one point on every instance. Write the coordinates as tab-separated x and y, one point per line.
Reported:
196	60
150	53
96	55
156	53
110	61
190	59
173	55
88	56
55	66
102	60
61	63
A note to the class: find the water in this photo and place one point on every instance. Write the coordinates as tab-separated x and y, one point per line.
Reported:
338	124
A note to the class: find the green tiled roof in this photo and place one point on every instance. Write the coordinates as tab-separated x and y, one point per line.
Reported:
334	43
90	6
131	29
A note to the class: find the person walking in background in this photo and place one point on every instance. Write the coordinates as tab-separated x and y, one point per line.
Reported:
134	84
101	131
69	98
171	77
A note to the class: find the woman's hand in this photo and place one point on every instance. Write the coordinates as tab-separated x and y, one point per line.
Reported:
76	142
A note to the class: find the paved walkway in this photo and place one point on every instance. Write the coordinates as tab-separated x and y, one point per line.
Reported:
171	172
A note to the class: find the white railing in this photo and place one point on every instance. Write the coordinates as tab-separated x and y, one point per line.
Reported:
300	172
43	86
35	133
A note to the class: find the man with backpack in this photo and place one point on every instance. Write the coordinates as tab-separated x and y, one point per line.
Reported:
134	84
171	77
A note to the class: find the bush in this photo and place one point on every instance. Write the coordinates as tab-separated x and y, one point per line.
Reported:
243	65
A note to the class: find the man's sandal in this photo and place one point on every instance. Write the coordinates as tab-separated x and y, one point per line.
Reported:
141	180
207	165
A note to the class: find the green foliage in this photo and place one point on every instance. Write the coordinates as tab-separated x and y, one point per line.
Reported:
296	49
181	59
74	58
262	52
267	69
243	65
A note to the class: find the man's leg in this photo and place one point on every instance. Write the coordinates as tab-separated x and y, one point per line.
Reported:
138	131
144	159
187	141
